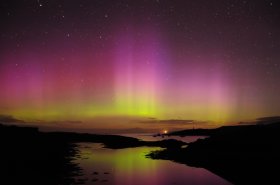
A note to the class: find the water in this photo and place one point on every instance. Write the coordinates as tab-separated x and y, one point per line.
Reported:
130	167
149	137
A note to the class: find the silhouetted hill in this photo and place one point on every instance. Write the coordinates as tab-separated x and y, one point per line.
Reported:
270	122
192	132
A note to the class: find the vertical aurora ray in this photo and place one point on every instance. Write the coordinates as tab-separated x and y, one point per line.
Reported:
137	75
198	90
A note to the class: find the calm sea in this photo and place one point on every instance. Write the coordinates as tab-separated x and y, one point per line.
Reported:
131	167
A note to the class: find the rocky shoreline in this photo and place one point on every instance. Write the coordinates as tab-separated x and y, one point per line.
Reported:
29	156
241	154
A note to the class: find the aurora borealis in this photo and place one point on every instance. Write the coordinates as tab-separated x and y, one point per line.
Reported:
93	60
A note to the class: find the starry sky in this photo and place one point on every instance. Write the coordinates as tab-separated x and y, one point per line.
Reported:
142	63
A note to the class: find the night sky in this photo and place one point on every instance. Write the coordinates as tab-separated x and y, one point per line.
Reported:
127	64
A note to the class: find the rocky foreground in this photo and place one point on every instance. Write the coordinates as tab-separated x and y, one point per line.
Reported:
241	154
31	157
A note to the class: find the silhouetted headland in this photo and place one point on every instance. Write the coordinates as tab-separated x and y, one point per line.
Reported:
31	157
192	132
246	154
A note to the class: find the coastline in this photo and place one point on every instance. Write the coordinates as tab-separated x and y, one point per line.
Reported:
242	155
29	156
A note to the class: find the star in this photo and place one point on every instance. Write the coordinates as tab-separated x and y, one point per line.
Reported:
40	4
